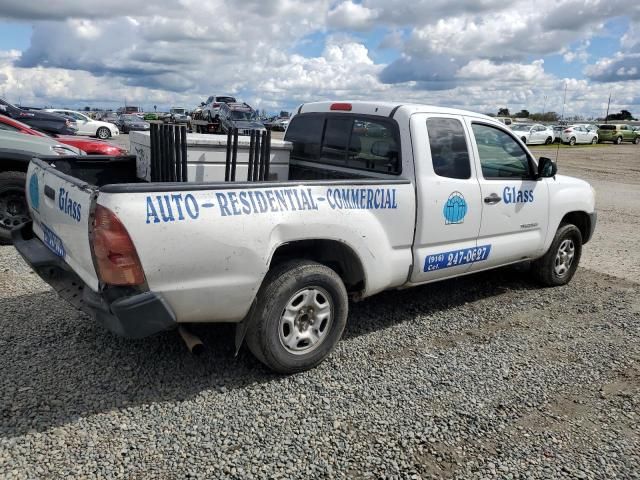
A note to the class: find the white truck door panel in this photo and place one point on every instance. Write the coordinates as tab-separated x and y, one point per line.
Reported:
448	198
515	207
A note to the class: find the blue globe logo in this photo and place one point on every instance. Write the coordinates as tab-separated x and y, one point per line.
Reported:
34	191
455	209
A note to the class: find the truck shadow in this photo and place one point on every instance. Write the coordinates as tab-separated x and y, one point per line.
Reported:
57	365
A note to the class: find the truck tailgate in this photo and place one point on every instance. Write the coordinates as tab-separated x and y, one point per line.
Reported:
60	206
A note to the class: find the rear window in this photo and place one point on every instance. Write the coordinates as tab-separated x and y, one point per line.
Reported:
607	127
345	140
226	99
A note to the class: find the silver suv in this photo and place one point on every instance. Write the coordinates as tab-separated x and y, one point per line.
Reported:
240	116
212	105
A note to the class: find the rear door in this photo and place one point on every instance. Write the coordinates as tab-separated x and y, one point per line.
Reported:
449	208
60	207
515	206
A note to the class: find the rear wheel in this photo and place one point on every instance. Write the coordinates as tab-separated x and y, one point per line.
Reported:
594	140
524	140
548	141
13	204
559	264
103	133
618	140
572	141
637	140
298	317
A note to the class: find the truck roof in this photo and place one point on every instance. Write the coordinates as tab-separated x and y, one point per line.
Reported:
385	109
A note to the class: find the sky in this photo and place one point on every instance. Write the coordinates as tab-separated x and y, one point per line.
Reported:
479	55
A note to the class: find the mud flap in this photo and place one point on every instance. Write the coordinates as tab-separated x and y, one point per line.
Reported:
243	327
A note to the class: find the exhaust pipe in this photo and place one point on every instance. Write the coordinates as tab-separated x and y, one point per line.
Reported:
193	343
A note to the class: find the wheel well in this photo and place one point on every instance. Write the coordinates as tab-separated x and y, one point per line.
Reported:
580	220
335	255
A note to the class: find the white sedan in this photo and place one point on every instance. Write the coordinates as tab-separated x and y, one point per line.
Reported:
532	134
579	134
89	126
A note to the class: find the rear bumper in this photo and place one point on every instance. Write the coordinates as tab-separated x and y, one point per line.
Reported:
125	312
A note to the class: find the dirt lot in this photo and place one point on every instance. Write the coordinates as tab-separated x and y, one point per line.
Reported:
487	376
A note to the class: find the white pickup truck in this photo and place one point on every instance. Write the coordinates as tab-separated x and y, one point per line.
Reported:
378	196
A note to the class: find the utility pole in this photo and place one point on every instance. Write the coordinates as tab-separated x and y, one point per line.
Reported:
606	117
544	105
564	101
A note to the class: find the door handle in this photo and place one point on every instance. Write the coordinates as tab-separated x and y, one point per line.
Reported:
492	199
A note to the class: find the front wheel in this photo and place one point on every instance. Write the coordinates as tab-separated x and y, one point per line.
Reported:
618	140
548	141
103	133
524	140
559	264
298	317
637	140
594	141
13	204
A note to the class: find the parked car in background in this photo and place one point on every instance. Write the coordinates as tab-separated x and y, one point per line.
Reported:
129	122
16	151
88	126
506	120
87	145
280	124
177	115
212	105
110	117
39	120
616	133
129	109
533	134
573	134
151	116
557	132
240	116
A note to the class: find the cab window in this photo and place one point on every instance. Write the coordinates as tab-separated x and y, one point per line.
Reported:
501	156
351	141
449	152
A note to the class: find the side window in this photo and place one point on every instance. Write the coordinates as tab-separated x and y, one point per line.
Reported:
449	152
305	133
500	155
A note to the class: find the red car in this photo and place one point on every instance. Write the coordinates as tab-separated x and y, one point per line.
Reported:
88	145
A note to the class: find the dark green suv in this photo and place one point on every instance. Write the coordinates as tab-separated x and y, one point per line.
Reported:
616	133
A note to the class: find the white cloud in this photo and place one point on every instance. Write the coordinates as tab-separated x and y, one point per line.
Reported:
351	15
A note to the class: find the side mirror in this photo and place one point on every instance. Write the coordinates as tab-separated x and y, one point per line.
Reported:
546	168
202	104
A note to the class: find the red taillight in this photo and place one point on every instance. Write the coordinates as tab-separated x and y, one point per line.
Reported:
215	105
568	130
345	107
115	256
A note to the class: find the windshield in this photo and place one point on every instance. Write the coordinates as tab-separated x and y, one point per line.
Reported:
131	118
521	127
179	111
243	116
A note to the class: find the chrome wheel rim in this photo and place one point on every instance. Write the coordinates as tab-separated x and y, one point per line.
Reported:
103	133
13	209
564	257
306	320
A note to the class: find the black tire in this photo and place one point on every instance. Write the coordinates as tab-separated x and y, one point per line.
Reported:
545	269
637	140
13	204
524	140
282	287
572	141
103	133
618	140
548	141
594	141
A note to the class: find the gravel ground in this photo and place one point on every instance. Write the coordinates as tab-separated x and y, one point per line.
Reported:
487	376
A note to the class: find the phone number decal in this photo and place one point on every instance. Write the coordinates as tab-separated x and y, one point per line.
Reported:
456	258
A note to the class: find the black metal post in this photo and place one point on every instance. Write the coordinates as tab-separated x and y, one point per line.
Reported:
153	144
183	145
256	158
252	140
234	155
262	155
177	166
267	156
227	165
